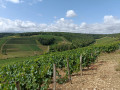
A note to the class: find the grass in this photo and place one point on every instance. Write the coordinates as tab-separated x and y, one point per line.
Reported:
19	49
16	45
105	40
21	41
28	48
2	41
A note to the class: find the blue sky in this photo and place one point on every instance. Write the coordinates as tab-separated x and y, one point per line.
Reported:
72	15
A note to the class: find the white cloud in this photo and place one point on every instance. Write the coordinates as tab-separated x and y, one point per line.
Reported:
111	19
110	24
62	19
14	1
83	24
7	25
70	13
3	3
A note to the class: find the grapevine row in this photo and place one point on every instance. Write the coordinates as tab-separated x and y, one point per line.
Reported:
37	74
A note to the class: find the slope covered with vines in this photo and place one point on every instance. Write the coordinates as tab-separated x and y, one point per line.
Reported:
37	74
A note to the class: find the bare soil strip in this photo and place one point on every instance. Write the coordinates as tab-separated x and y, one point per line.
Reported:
101	75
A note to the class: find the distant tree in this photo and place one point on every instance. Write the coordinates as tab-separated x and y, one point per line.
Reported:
46	41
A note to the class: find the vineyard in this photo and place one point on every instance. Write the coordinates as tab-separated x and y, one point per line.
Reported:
15	46
22	45
37	74
74	40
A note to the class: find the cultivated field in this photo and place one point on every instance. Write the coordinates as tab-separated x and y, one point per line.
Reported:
91	64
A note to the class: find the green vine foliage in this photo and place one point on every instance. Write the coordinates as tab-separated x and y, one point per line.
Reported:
37	74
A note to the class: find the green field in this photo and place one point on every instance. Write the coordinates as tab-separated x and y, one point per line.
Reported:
16	46
21	44
20	51
106	40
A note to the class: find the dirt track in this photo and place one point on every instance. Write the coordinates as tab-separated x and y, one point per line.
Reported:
101	76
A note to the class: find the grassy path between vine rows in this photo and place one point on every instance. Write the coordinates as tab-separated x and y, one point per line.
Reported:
65	41
103	75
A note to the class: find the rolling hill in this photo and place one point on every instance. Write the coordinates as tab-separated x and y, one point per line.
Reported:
25	67
28	44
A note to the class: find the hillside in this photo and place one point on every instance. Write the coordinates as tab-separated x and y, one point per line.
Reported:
23	47
36	71
29	44
100	76
15	46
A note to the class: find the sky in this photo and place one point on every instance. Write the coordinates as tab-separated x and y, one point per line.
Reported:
77	16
